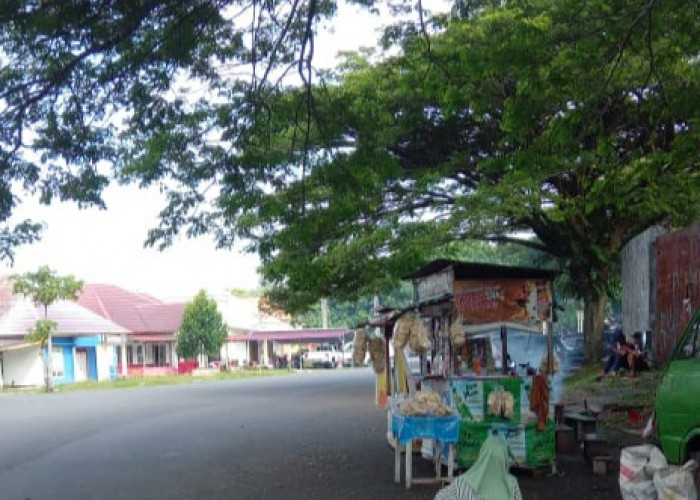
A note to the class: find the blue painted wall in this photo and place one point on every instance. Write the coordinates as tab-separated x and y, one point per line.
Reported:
92	341
92	363
67	344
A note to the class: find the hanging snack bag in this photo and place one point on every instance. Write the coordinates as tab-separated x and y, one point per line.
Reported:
376	354
457	334
402	330
418	340
359	347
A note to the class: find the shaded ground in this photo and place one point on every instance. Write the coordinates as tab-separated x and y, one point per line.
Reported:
623	406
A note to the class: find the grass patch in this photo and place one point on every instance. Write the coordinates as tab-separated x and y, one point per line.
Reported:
627	402
131	382
584	377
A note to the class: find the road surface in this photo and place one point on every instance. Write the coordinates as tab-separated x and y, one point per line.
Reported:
305	436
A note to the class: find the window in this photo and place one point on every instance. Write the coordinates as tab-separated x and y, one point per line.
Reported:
159	358
691	348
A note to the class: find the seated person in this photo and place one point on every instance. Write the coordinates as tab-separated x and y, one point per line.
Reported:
635	355
488	478
618	356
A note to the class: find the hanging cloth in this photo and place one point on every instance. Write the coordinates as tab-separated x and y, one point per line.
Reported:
539	400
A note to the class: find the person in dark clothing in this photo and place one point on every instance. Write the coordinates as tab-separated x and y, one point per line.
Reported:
635	355
617	356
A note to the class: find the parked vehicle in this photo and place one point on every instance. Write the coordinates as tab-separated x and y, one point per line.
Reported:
677	405
325	355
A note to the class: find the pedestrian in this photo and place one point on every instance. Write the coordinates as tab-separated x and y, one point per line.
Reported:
617	356
635	356
488	479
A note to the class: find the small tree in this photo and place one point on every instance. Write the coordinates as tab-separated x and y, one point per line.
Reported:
44	287
203	330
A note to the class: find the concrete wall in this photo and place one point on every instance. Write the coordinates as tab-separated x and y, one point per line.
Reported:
23	367
638	270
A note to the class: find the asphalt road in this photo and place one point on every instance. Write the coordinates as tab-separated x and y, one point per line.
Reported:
306	436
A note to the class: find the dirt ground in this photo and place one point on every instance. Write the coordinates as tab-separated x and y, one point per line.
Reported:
623	406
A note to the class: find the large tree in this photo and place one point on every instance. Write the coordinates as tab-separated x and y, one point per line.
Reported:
576	122
89	86
44	287
203	330
577	127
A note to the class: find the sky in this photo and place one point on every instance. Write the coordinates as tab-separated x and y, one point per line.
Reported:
106	246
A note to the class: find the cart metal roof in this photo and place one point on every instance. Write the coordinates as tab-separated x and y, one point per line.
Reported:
475	270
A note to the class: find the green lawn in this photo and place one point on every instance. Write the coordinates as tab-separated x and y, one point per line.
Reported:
125	383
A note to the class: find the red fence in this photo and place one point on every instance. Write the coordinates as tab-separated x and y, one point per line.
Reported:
186	366
677	286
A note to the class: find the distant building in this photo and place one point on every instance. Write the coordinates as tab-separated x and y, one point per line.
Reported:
84	345
149	346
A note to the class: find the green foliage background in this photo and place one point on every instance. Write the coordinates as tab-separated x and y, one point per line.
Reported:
203	330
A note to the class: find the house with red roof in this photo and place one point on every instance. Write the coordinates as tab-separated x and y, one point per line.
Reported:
84	344
149	345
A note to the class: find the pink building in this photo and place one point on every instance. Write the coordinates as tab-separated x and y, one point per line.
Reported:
149	347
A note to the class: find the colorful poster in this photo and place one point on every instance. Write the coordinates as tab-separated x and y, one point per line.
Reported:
515	437
540	444
467	397
500	300
527	446
510	386
471	435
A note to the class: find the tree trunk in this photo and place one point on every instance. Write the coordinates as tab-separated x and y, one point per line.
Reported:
45	364
593	324
49	365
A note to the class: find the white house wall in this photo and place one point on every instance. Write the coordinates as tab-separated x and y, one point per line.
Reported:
231	351
106	358
23	367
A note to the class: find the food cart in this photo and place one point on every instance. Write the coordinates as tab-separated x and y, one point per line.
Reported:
460	304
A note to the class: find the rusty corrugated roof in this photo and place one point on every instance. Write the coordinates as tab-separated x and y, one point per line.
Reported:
477	270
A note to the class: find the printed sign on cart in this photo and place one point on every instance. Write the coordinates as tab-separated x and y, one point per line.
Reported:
496	300
467	397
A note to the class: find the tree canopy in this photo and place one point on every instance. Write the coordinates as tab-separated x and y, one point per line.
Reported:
44	287
203	330
573	122
576	123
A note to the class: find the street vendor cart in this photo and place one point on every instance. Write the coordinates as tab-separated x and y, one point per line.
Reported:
460	306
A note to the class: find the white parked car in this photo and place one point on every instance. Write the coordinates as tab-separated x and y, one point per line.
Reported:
325	355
